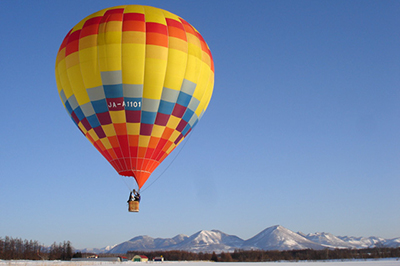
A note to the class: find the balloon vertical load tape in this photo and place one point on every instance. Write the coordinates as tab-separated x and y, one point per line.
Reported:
133	206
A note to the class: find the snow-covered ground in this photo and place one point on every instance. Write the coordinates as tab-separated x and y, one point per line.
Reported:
383	262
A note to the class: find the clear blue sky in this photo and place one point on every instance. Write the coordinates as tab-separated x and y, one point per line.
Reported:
302	130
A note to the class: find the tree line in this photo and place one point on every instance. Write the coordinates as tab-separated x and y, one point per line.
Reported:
311	254
18	249
273	255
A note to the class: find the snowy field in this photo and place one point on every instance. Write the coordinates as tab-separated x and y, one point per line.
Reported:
383	262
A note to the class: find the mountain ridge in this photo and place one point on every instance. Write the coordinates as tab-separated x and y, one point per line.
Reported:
275	237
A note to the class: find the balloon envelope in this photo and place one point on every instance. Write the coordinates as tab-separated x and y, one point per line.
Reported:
135	80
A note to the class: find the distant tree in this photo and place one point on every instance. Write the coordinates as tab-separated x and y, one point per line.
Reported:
214	257
67	251
226	257
1	247
77	255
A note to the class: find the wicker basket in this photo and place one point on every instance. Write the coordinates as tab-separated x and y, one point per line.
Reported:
133	206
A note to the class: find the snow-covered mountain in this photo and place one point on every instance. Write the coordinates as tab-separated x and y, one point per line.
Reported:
328	240
202	241
210	241
148	243
279	238
273	238
97	250
366	242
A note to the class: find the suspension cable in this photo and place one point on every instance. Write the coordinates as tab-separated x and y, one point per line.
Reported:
127	185
176	156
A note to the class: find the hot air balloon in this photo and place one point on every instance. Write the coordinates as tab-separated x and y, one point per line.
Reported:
135	80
